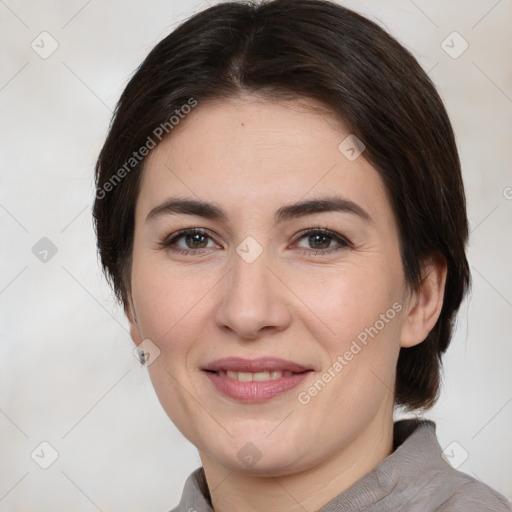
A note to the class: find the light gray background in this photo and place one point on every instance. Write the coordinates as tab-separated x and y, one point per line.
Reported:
67	372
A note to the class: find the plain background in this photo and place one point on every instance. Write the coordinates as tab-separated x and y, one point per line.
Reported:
68	376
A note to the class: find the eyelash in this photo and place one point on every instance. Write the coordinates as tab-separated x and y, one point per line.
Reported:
344	243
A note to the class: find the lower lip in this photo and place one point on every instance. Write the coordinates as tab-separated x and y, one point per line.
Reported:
254	391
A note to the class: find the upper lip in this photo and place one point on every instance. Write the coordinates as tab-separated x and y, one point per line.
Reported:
262	364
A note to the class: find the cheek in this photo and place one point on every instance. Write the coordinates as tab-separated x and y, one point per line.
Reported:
359	308
349	299
166	300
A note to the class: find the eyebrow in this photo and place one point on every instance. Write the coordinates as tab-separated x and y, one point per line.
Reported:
320	205
187	207
288	212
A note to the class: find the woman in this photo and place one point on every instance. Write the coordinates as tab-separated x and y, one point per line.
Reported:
280	210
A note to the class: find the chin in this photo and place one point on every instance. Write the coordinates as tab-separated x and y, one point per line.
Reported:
255	456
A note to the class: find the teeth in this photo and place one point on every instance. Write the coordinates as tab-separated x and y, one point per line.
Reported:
244	376
258	376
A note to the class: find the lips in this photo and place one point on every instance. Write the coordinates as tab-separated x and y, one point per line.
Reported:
254	380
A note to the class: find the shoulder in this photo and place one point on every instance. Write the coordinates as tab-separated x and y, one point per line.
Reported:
431	482
471	495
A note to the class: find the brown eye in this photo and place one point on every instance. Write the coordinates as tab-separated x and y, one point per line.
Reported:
319	241
196	241
322	241
188	241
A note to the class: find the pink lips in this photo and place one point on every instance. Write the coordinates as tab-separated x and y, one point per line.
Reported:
254	391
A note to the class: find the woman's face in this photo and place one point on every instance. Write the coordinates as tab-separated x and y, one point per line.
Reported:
296	257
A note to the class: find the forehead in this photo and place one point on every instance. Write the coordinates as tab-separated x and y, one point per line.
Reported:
252	151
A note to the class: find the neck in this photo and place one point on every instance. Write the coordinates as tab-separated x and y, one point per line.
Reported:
307	490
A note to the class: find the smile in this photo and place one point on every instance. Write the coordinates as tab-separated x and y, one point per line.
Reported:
258	376
254	380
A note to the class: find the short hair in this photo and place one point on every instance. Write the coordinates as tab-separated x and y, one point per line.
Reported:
291	49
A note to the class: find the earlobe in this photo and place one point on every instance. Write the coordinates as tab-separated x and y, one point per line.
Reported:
425	304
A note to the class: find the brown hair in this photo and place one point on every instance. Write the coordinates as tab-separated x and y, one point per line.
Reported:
318	49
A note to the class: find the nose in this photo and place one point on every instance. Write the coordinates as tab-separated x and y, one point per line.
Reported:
253	300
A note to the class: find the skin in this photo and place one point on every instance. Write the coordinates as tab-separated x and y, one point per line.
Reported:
250	156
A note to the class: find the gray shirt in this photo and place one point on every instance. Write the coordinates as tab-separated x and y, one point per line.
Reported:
414	478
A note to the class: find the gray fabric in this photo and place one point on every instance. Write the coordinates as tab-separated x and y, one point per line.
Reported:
414	478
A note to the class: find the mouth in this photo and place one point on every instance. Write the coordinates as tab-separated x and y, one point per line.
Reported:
254	380
253	377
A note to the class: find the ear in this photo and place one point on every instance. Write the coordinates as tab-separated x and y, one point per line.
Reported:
426	303
135	332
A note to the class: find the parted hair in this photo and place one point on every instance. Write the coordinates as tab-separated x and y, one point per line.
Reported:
287	49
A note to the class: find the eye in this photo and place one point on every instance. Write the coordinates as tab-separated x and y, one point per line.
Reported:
189	240
322	241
